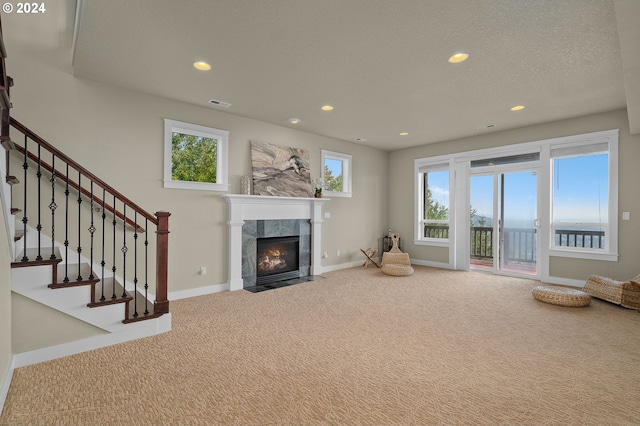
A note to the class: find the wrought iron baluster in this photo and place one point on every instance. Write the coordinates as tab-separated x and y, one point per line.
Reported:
92	230
146	266
66	227
102	262
79	223
53	206
113	268
25	166
124	250
135	264
39	227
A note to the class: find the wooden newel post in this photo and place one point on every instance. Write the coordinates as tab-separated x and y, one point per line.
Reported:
161	305
5	139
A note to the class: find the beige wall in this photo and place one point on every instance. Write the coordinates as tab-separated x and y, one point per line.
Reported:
402	192
37	326
118	135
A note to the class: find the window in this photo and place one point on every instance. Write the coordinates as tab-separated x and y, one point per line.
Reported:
195	157
576	198
434	202
580	198
336	176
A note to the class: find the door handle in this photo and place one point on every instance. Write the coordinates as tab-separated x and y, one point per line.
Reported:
536	223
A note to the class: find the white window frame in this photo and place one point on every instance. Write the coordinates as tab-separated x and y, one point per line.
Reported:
222	160
590	144
458	197
346	160
421	166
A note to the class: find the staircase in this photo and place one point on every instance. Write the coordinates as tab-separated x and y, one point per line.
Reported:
80	246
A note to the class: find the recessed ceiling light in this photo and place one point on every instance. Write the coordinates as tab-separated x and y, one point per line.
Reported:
327	108
458	57
361	140
294	120
202	66
517	108
488	126
404	133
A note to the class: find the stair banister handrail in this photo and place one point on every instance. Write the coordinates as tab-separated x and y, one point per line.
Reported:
59	154
160	219
62	176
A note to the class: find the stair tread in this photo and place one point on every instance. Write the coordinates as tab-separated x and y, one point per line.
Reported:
142	317
31	255
34	262
74	283
109	301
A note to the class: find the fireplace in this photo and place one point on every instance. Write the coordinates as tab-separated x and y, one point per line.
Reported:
275	250
253	216
277	259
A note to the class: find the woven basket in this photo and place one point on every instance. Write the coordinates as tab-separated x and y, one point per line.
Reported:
604	288
397	270
561	296
395	258
623	293
394	262
631	294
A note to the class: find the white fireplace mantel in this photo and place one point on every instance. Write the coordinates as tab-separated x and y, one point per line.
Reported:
256	207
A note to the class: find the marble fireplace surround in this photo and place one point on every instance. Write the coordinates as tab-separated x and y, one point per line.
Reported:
255	207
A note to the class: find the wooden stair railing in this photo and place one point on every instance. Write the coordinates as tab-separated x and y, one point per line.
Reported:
118	211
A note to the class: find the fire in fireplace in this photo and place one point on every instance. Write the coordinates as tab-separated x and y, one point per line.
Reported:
278	259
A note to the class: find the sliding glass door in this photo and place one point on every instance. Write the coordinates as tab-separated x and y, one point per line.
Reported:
503	220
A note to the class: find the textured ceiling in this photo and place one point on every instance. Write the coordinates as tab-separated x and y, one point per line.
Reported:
381	63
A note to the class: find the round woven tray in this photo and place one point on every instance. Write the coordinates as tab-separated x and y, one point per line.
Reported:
561	296
397	270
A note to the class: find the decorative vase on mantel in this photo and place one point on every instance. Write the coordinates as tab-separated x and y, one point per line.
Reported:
318	193
245	185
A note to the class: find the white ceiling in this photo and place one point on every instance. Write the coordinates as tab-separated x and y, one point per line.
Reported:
381	63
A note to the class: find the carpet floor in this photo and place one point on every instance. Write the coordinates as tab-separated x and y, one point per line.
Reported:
355	348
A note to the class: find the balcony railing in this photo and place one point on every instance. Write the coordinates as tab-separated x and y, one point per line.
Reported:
519	243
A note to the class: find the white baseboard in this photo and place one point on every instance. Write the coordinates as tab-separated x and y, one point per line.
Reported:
332	268
6	382
200	291
565	281
137	331
431	264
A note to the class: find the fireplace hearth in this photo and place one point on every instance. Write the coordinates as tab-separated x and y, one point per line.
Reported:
277	259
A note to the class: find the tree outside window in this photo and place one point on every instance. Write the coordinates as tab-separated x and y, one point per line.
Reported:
193	158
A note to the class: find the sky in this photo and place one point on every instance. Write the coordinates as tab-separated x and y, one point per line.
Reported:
335	166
